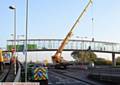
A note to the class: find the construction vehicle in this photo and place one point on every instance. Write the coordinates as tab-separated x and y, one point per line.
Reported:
57	59
6	57
1	60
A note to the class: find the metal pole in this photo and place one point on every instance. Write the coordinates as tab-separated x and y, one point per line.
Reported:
14	9
15	38
17	45
26	41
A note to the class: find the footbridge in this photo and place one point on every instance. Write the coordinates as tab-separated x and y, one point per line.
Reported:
72	45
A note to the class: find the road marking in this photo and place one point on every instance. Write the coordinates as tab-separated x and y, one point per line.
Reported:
50	83
68	82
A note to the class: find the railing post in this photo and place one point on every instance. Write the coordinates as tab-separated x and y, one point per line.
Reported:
113	60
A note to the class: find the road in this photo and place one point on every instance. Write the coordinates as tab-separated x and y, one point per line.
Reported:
71	76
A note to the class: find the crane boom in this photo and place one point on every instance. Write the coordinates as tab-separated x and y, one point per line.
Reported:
57	57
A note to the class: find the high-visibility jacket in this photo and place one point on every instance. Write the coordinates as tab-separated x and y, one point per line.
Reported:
1	56
13	60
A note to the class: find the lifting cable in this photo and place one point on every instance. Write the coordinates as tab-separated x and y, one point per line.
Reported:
92	22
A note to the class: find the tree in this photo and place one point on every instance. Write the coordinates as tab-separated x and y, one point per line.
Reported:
118	60
76	55
102	61
84	56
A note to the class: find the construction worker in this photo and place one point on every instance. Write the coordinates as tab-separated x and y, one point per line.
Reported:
12	60
1	61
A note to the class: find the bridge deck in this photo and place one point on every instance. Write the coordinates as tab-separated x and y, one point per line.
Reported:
53	44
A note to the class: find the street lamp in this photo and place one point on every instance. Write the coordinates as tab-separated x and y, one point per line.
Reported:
14	10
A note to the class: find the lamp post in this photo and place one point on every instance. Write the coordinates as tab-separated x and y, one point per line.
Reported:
26	36
14	10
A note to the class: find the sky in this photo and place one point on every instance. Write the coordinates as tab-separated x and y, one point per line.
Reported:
48	19
54	18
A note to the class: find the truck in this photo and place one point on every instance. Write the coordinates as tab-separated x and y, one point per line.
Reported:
6	57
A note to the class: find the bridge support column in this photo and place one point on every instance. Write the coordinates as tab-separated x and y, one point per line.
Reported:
113	59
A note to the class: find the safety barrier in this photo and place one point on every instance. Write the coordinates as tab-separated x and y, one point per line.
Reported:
111	75
18	76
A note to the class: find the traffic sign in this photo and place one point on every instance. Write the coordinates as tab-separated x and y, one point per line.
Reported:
40	73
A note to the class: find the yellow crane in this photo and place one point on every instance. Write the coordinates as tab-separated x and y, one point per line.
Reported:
58	61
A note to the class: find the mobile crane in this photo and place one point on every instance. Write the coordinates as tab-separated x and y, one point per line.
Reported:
58	61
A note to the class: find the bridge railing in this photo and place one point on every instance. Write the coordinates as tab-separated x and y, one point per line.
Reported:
72	44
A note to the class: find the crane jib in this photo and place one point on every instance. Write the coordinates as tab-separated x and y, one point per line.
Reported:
66	39
80	15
